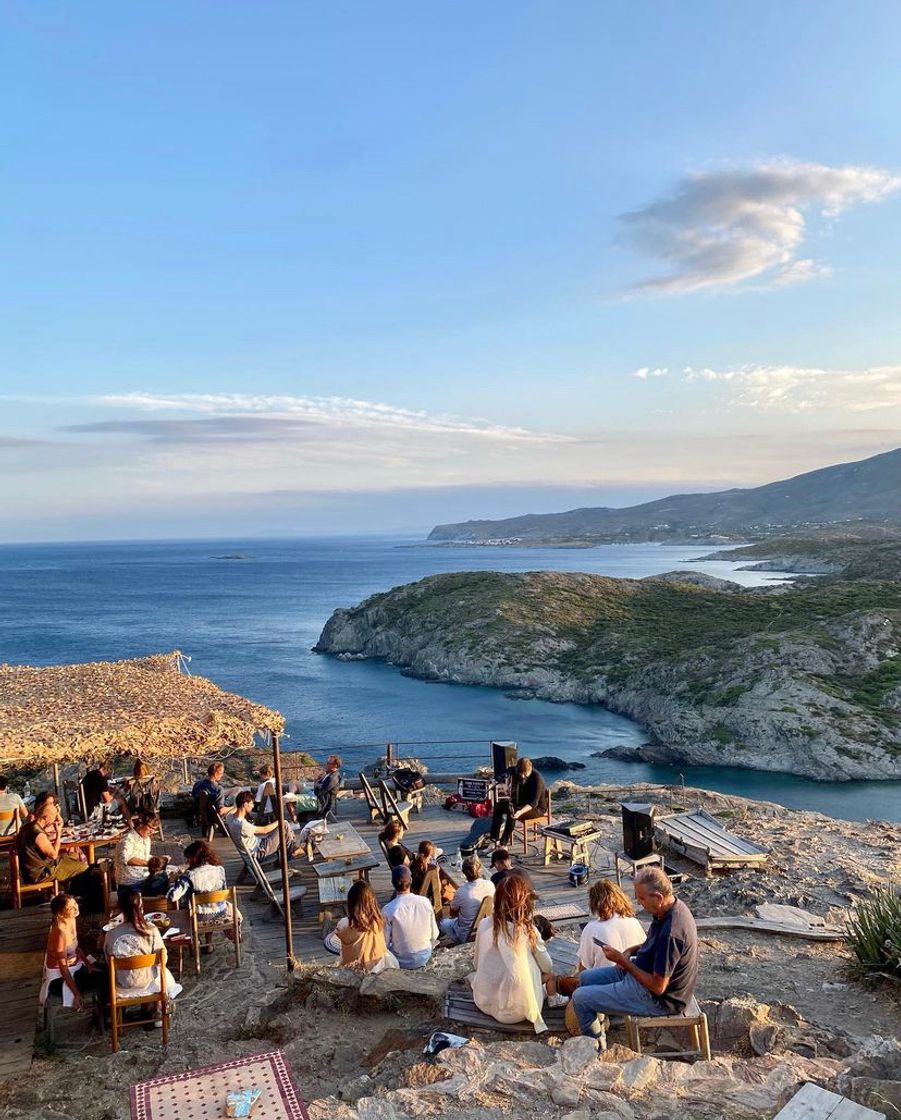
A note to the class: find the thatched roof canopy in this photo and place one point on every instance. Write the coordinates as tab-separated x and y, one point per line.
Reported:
145	707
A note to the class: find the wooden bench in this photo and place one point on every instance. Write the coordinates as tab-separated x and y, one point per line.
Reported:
813	1103
694	1021
459	1006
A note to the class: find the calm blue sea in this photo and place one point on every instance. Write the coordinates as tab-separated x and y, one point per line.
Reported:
248	624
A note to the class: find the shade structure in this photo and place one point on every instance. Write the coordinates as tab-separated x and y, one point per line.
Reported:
145	707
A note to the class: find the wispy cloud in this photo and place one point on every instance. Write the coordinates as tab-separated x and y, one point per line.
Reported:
645	372
283	410
718	229
796	389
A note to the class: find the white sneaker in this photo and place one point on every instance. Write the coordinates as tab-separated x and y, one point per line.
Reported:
558	999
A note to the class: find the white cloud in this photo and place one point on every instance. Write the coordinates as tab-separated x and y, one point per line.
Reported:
645	372
720	228
334	412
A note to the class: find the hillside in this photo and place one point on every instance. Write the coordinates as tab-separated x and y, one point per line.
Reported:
804	680
869	489
871	553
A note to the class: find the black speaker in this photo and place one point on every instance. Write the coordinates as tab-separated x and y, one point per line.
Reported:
638	829
503	756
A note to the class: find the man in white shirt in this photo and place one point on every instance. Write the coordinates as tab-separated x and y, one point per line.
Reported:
11	802
466	902
136	870
410	928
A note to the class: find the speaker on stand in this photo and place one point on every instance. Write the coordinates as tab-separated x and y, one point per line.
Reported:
503	756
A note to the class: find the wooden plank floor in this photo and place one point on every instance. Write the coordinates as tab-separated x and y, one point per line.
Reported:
445	829
23	934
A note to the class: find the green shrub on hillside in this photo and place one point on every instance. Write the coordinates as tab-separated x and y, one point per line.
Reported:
874	935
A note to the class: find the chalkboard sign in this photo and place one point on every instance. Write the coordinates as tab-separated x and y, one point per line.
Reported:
473	789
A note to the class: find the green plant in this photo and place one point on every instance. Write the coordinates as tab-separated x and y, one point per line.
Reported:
874	935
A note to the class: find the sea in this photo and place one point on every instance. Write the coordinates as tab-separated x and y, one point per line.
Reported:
248	612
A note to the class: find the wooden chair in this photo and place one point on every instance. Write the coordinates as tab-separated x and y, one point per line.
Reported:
376	813
73	801
431	889
533	824
392	809
205	924
694	1021
118	1002
267	881
150	903
7	829
18	888
208	816
486	909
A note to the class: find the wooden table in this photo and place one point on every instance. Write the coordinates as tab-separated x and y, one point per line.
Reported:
331	869
90	842
561	844
333	896
348	847
199	1094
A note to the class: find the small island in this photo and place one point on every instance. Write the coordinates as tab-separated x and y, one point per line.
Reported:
803	679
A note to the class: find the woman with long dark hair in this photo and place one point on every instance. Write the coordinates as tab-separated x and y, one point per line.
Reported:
205	873
68	971
362	933
134	936
511	962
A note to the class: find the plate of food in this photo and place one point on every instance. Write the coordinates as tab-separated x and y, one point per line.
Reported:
160	919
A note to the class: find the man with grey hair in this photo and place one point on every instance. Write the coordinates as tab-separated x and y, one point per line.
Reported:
655	978
466	902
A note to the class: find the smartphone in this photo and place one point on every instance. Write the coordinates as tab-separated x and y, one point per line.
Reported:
599	943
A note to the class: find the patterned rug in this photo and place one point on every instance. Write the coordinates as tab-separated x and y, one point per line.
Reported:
199	1094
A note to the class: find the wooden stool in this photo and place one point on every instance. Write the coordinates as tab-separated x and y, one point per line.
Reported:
636	864
694	1021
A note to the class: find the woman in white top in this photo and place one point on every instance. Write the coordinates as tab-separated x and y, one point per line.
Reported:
264	798
136	937
614	924
68	972
511	961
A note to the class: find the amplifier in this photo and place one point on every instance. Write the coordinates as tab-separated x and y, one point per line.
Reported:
638	829
503	757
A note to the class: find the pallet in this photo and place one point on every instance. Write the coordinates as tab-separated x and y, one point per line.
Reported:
813	1103
459	1007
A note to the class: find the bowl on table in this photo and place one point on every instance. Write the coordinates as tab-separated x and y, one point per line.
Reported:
160	919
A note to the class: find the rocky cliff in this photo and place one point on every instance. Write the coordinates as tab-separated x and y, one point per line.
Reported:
805	680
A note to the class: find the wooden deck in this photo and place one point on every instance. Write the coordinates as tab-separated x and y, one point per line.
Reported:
23	932
445	829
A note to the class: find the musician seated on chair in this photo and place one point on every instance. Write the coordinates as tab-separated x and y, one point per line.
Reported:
260	840
466	902
657	977
526	801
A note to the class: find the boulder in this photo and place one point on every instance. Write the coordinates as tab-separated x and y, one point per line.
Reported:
640	1074
577	1055
763	1037
730	1021
880	1095
551	762
375	1108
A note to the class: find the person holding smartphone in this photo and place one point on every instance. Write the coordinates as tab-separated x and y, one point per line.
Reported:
656	977
614	924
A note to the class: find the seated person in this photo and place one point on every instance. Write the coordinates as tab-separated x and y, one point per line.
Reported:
10	802
135	868
466	902
111	807
68	972
205	874
614	924
391	838
411	931
327	785
511	962
211	785
142	790
260	840
527	801
38	846
425	861
656	977
502	866
93	784
362	933
135	937
264	798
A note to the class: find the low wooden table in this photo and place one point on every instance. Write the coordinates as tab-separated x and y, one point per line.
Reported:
349	846
199	1094
333	897
561	844
360	867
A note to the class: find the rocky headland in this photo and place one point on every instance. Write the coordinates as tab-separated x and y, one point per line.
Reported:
802	679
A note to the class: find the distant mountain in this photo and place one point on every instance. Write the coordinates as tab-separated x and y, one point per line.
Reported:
868	490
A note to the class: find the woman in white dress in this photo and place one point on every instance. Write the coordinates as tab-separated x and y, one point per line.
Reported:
511	962
614	924
136	937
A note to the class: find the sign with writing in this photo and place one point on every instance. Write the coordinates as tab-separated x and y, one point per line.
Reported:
473	789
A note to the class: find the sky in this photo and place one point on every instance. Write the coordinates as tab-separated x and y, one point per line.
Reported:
284	268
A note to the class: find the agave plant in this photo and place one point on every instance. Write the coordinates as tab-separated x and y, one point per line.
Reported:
874	934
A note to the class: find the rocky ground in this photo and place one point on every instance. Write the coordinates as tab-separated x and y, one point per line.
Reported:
781	1011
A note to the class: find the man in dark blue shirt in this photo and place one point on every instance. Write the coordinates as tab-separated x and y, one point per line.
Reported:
210	785
655	978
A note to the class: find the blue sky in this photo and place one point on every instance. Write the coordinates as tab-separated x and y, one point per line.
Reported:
302	267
